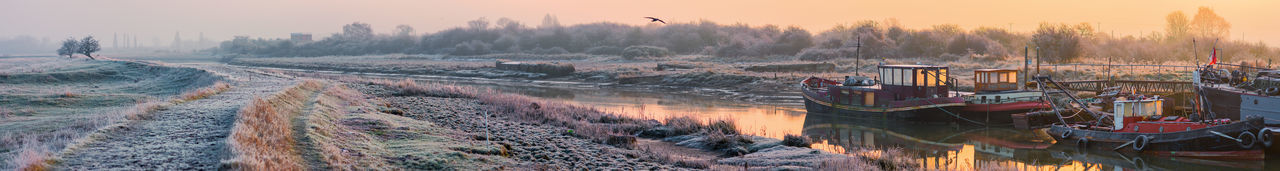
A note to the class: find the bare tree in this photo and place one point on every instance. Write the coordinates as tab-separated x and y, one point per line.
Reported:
479	24
1178	26
69	47
550	21
88	46
403	31
357	30
1208	24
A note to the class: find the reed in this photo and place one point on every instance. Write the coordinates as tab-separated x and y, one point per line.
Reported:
205	92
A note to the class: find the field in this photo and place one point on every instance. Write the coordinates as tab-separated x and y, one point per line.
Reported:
49	102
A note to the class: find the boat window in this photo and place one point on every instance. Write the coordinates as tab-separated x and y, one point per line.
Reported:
1011	77
984	99
997	99
920	77
869	99
980	78
884	74
1004	77
942	77
907	77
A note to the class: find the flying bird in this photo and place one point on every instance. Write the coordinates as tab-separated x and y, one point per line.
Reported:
656	20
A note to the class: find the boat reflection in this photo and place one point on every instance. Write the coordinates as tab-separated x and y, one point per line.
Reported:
960	147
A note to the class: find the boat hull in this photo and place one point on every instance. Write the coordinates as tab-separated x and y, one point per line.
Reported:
931	113
999	113
1236	105
1198	143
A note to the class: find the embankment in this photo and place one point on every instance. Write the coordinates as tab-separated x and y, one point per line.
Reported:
47	103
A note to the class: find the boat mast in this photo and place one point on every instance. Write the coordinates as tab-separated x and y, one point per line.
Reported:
857	66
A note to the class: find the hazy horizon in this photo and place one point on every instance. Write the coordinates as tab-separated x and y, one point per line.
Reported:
221	20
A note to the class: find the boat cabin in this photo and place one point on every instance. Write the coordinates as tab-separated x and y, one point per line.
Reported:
915	81
989	80
1144	114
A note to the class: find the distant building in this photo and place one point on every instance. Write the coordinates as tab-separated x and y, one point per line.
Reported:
300	37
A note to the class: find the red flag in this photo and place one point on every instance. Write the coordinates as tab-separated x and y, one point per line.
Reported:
1213	57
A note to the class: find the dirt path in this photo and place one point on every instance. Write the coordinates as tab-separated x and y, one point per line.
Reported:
187	136
305	144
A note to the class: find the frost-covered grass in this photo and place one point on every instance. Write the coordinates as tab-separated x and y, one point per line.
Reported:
53	103
262	138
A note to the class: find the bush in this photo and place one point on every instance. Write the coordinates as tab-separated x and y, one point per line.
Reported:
684	125
1058	42
821	54
604	50
796	141
723	126
645	51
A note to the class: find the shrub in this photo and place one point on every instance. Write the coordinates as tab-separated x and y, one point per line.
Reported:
1058	42
821	54
796	141
726	126
684	125
206	91
644	52
604	50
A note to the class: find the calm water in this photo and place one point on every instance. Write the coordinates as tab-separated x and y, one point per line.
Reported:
936	146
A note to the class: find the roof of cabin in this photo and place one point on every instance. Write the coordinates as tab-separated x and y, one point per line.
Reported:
911	66
993	70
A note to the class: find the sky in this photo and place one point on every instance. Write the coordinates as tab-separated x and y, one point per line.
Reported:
1251	20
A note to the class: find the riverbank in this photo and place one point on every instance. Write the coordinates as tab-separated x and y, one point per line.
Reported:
556	135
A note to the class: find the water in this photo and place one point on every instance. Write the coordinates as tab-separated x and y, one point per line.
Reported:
936	146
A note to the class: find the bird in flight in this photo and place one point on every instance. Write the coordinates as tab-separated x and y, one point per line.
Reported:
656	20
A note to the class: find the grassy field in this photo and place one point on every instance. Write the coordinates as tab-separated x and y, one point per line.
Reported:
47	103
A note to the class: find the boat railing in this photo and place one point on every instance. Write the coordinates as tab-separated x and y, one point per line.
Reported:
978	100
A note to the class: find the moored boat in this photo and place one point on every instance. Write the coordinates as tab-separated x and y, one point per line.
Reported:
997	96
905	92
1137	126
1257	96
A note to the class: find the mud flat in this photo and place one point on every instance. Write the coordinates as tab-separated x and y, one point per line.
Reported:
48	102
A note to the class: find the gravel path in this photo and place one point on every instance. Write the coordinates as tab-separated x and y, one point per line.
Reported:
187	136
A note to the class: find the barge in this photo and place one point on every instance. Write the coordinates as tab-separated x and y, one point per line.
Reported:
903	92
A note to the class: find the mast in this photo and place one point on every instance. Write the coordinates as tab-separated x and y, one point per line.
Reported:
857	66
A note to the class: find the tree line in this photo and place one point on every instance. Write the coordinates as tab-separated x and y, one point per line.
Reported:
870	39
86	46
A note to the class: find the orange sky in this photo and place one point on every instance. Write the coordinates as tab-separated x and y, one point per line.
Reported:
154	19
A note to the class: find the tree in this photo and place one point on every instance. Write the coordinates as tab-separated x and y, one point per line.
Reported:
1060	42
88	46
550	21
479	24
69	47
1178	26
357	30
404	31
1209	25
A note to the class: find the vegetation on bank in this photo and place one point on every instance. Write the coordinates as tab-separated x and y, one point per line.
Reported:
713	135
1056	42
262	138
